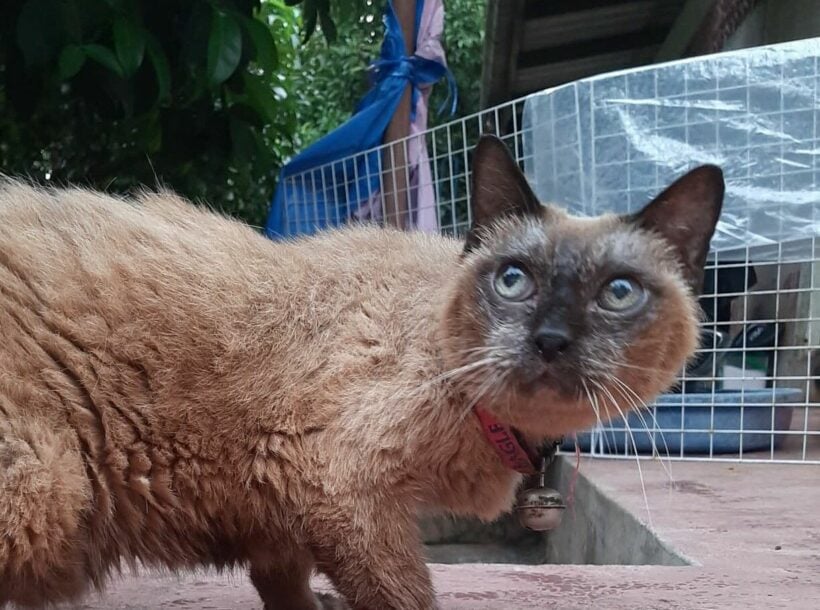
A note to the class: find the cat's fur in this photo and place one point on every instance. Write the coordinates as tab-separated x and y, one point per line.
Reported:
177	390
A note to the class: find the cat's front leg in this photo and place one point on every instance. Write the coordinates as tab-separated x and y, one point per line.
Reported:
284	583
374	558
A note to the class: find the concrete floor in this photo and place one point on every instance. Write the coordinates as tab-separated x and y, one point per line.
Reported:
751	531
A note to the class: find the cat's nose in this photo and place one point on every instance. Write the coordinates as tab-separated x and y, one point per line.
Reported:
551	341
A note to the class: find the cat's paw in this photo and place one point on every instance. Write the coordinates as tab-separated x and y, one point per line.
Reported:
331	602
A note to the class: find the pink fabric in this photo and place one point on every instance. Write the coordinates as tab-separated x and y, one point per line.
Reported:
421	201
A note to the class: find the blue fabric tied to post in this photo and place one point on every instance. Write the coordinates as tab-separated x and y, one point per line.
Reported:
346	169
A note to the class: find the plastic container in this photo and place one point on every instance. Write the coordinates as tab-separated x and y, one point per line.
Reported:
699	424
610	143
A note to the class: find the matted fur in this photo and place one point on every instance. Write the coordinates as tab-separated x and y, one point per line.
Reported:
177	390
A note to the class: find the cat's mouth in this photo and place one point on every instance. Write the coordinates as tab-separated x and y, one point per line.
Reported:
560	380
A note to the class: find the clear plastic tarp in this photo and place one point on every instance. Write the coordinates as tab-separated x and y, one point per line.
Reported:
610	143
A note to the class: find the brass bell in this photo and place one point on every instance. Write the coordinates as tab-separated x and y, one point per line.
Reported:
540	508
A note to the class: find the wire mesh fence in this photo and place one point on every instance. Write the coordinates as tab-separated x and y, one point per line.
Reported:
610	144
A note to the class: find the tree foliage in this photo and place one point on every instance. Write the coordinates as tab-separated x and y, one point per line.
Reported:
331	77
208	97
120	93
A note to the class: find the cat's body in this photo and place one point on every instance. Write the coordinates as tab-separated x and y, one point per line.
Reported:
254	372
177	390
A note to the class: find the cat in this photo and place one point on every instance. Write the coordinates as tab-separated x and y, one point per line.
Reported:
176	390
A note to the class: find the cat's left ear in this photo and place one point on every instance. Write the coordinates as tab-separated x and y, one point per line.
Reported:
685	215
499	189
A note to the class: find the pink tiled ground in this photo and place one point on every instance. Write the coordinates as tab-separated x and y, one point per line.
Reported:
753	531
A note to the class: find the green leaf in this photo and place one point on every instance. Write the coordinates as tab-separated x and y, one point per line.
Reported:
71	61
39	34
260	96
242	138
266	54
262	159
105	57
129	43
249	114
150	134
161	69
224	47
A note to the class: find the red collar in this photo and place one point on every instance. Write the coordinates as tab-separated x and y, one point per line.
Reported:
512	450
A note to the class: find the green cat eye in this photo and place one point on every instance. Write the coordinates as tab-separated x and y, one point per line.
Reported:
512	282
621	294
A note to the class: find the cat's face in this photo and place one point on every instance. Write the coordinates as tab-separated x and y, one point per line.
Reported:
575	315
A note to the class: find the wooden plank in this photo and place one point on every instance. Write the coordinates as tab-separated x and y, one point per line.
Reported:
536	78
684	28
503	32
602	22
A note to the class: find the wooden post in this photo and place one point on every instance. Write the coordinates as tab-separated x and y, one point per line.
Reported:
394	157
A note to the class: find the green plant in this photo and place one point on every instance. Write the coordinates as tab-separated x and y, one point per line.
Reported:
331	77
118	93
207	97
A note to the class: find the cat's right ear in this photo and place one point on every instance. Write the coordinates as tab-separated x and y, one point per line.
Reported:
499	189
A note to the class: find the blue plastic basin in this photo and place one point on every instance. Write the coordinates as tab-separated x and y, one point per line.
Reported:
700	423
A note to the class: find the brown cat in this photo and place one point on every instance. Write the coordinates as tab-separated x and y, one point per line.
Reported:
177	390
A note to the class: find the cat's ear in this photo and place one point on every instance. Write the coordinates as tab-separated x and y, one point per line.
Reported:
499	188
685	215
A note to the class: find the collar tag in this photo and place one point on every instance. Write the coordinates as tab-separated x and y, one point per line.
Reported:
506	445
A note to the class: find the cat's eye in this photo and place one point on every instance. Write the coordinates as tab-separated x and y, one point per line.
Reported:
512	282
621	294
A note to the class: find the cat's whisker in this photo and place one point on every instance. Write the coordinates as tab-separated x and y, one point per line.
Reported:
593	403
418	389
623	388
608	417
589	400
481	349
633	406
615	404
461	369
640	408
492	381
499	383
646	369
634	401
